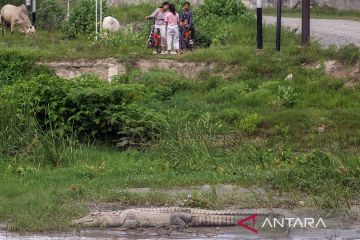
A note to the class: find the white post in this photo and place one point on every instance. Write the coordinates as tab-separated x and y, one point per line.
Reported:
100	15
68	10
96	19
33	5
259	4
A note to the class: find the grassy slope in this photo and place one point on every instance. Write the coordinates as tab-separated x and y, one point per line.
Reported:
285	151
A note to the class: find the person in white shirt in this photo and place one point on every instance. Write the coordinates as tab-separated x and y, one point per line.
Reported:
159	16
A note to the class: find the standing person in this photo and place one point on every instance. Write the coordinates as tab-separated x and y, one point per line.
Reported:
185	33
160	25
187	14
172	22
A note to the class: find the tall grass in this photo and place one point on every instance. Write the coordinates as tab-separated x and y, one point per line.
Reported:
22	138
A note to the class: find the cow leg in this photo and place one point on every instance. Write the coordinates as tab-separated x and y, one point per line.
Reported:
12	27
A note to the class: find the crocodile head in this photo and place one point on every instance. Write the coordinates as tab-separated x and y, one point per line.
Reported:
90	220
99	219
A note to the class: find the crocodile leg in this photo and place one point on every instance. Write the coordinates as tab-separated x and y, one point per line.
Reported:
130	224
180	220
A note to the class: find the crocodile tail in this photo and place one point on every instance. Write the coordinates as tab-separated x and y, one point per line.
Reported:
206	220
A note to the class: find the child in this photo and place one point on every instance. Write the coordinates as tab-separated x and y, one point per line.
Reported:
172	23
185	35
188	15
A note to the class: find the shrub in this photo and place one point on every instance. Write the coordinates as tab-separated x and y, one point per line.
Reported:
250	123
81	19
222	9
50	15
15	66
213	15
287	96
89	109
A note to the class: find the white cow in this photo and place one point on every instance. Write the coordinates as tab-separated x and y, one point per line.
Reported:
111	24
12	16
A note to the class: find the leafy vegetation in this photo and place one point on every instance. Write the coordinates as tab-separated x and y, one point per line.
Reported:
51	14
81	19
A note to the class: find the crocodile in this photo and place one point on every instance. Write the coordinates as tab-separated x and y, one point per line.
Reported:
177	217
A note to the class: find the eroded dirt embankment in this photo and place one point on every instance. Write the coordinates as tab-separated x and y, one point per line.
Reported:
106	69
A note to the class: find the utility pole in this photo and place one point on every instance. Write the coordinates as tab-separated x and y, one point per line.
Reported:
259	13
96	19
305	22
101	15
33	13
278	25
68	10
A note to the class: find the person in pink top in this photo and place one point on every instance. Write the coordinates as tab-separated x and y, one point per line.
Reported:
172	22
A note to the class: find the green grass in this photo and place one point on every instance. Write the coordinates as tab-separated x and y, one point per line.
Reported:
50	46
255	129
317	12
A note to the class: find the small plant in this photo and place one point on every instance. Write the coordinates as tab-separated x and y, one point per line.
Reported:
250	123
281	131
197	200
288	96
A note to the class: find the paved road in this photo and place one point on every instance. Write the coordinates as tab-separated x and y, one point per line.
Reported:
327	31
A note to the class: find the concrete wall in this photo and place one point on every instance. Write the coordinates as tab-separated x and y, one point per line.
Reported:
338	4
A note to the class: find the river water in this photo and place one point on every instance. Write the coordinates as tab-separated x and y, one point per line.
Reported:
229	233
337	226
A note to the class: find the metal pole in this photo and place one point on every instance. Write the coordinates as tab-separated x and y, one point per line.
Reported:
101	15
68	10
278	25
259	12
305	22
33	14
96	19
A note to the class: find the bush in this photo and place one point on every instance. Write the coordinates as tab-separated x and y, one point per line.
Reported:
89	109
51	14
250	123
222	9
213	15
15	66
81	19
